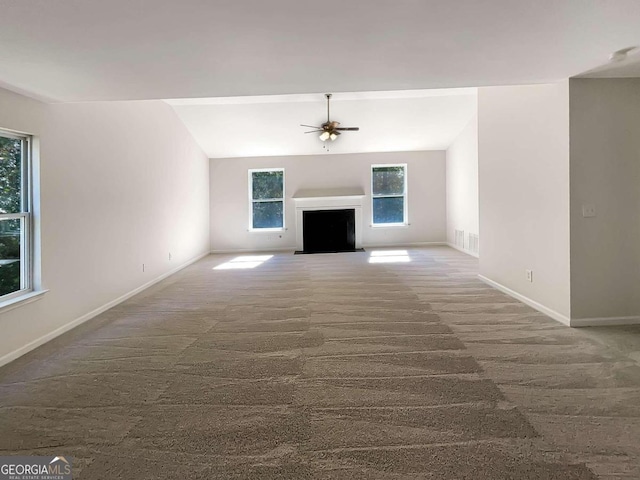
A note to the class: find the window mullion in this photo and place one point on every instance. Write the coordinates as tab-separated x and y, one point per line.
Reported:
13	216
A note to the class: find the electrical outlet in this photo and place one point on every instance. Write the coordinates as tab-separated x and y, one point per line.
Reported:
588	210
530	275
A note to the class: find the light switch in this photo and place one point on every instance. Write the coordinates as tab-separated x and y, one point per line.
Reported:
588	210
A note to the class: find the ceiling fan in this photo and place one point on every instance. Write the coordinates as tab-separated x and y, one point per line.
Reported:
329	130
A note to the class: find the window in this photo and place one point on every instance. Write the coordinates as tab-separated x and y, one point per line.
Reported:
388	194
266	192
15	216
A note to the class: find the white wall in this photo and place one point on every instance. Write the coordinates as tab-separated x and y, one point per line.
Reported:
523	147
230	201
121	184
462	184
605	172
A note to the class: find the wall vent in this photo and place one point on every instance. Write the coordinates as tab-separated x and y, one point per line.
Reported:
474	243
459	238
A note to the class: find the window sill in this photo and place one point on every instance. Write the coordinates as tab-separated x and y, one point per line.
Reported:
389	225
25	299
266	230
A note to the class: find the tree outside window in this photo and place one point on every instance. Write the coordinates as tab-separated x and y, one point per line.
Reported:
266	189
14	215
388	192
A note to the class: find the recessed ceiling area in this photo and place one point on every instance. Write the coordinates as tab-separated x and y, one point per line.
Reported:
69	50
270	125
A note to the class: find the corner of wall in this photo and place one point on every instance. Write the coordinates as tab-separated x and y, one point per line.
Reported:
524	193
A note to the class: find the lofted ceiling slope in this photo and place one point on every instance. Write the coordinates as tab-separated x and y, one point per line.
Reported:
270	125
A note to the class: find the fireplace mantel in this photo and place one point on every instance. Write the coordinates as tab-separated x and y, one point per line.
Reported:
329	199
328	193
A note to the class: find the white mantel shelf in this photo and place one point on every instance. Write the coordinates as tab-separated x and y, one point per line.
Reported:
329	199
329	193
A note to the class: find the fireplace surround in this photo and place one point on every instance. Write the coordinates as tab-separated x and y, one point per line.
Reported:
325	200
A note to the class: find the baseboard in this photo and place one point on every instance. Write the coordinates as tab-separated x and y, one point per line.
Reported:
10	357
409	245
292	249
604	321
463	250
254	250
526	300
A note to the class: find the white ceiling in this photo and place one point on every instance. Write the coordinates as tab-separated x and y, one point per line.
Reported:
247	67
270	125
78	50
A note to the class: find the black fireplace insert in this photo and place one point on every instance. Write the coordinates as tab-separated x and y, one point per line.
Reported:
325	231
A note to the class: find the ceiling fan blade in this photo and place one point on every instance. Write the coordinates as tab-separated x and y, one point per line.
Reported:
348	129
310	126
314	131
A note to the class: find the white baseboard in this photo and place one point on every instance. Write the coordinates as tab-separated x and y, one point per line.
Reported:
393	245
255	250
604	321
463	250
292	249
9	357
526	300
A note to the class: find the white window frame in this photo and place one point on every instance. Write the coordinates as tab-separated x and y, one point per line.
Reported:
26	217
252	201
404	195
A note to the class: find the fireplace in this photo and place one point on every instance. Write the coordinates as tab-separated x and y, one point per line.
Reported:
329	220
329	231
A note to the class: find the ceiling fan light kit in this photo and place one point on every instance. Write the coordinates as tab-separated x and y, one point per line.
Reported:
329	130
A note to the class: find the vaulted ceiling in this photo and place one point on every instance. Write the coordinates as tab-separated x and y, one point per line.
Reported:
270	125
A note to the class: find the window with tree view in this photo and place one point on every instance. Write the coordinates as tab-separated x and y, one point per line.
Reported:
266	189
388	193
15	218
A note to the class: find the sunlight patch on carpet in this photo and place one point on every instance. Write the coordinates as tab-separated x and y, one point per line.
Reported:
243	262
389	256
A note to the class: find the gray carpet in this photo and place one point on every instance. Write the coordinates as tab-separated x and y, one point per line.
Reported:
329	367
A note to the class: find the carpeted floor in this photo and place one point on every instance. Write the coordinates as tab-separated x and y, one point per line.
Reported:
329	367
